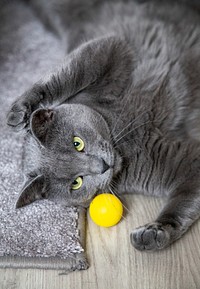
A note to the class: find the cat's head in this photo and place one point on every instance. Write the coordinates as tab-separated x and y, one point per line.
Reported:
77	158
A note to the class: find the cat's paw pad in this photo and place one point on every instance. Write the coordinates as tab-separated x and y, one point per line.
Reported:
153	236
18	116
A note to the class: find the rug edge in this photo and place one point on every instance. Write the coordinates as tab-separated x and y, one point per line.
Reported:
78	262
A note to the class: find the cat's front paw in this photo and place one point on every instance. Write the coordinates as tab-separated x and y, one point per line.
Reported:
19	115
153	236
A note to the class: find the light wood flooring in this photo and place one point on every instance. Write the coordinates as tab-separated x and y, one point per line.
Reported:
115	264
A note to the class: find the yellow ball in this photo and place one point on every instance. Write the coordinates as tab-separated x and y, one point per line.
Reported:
106	210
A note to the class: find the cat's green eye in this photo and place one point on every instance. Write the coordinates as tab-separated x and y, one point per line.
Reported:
77	183
78	143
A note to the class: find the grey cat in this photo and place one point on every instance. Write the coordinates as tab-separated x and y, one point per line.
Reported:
122	114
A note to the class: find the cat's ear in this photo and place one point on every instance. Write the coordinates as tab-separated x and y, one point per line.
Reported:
34	189
40	121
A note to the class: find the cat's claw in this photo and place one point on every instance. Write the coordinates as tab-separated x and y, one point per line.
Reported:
18	116
153	236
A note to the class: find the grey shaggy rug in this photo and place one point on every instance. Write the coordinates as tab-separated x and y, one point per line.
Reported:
44	234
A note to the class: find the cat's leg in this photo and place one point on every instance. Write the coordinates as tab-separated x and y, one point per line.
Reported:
177	170
103	62
174	220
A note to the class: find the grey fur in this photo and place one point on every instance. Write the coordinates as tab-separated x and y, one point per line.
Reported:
130	88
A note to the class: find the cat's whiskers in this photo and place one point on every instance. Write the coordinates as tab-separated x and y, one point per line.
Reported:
130	123
110	201
113	191
135	144
122	110
133	129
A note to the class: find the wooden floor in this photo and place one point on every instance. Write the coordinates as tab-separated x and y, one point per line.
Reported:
115	264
